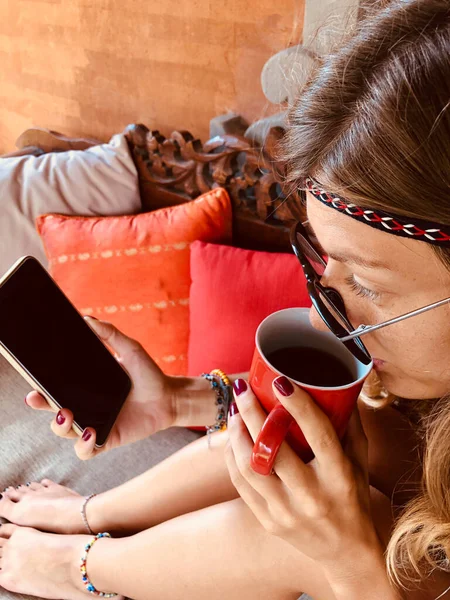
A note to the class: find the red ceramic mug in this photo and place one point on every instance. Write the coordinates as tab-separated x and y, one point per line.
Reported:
284	329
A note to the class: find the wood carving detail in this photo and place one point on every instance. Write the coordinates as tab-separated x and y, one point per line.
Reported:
183	164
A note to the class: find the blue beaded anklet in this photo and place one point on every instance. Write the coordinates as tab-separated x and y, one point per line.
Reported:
89	587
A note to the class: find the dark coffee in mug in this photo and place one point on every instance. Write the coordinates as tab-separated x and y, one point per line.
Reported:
311	366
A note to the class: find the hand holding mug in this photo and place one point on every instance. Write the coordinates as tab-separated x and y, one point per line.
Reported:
287	344
322	508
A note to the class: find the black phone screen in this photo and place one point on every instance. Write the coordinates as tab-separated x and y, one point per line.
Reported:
46	334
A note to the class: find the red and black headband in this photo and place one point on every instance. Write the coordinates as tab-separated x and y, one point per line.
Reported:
412	228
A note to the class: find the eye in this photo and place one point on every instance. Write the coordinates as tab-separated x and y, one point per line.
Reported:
360	290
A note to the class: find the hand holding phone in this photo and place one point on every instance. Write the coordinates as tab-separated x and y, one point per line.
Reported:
148	408
68	362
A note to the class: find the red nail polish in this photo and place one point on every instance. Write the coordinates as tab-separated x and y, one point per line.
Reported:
91	317
86	435
239	387
233	410
284	386
26	401
60	418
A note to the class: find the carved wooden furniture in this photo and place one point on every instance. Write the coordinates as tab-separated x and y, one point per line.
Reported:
176	169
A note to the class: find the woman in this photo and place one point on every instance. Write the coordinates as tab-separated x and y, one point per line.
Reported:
372	126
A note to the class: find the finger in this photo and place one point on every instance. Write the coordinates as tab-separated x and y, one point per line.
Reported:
315	425
38	402
356	443
85	446
62	424
270	488
249	495
250	409
288	466
118	341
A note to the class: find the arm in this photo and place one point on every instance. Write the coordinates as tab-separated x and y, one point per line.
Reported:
195	401
368	580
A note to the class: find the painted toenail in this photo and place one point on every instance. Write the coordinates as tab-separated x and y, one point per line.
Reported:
60	418
28	483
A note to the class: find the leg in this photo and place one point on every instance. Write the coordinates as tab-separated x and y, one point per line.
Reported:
194	477
218	552
191	479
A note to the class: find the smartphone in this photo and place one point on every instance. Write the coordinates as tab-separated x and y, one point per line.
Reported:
45	338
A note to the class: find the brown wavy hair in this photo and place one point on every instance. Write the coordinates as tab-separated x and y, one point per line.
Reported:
374	110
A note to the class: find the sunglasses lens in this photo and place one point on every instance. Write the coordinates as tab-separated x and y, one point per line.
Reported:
316	260
333	304
328	302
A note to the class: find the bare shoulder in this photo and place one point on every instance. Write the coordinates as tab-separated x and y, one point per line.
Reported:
394	457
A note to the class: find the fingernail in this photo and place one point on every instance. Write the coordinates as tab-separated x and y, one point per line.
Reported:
86	435
233	410
239	387
91	317
284	386
60	418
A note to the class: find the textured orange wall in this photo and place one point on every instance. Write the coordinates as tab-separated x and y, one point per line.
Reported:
90	67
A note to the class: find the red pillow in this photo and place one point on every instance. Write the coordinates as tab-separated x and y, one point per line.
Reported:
232	291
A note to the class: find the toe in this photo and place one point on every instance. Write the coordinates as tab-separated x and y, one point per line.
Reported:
48	482
13	494
6	507
7	530
34	485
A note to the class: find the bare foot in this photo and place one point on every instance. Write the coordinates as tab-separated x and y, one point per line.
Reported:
47	506
42	564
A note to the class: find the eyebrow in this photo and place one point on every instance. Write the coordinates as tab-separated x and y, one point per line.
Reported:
352	258
358	260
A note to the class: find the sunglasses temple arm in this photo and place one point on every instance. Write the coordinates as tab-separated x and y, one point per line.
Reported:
363	329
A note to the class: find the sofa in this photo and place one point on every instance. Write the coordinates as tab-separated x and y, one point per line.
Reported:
167	172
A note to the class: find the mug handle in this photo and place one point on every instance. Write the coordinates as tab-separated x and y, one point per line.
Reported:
269	439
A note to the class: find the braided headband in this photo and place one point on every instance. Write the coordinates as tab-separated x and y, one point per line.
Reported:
425	231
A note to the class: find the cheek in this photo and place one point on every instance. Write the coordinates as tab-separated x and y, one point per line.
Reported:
361	310
417	353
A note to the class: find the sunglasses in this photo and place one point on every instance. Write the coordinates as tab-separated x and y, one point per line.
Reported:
328	302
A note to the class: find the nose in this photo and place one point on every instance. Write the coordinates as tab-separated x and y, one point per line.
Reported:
316	321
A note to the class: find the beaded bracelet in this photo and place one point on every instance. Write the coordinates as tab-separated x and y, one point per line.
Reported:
221	384
89	587
83	513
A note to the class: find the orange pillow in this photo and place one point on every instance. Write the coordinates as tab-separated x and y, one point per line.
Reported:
134	270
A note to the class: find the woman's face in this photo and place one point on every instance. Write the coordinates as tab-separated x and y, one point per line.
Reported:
416	351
